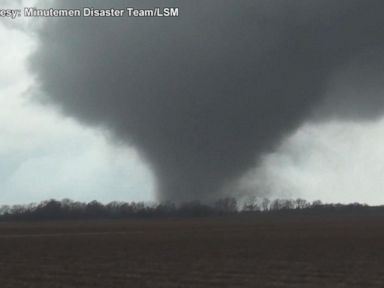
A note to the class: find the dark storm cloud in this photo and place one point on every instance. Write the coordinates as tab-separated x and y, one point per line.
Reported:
202	96
356	89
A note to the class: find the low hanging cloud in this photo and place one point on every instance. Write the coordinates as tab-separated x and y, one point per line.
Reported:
204	95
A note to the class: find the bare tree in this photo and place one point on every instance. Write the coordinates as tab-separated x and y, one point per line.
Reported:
251	204
265	204
301	203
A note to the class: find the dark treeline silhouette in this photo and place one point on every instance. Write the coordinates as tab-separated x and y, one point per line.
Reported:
68	209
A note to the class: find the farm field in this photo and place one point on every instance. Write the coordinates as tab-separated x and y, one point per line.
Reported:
243	251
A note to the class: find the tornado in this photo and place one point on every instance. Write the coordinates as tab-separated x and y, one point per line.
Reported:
204	95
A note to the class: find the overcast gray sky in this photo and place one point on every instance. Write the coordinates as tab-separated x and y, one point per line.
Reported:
45	154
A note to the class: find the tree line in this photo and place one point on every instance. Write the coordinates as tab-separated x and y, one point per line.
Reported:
69	209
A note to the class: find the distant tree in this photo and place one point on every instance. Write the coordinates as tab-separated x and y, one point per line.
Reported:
114	209
301	203
226	205
316	204
95	209
68	209
5	209
50	209
194	209
282	204
165	209
287	204
18	211
251	204
137	208
275	205
265	204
